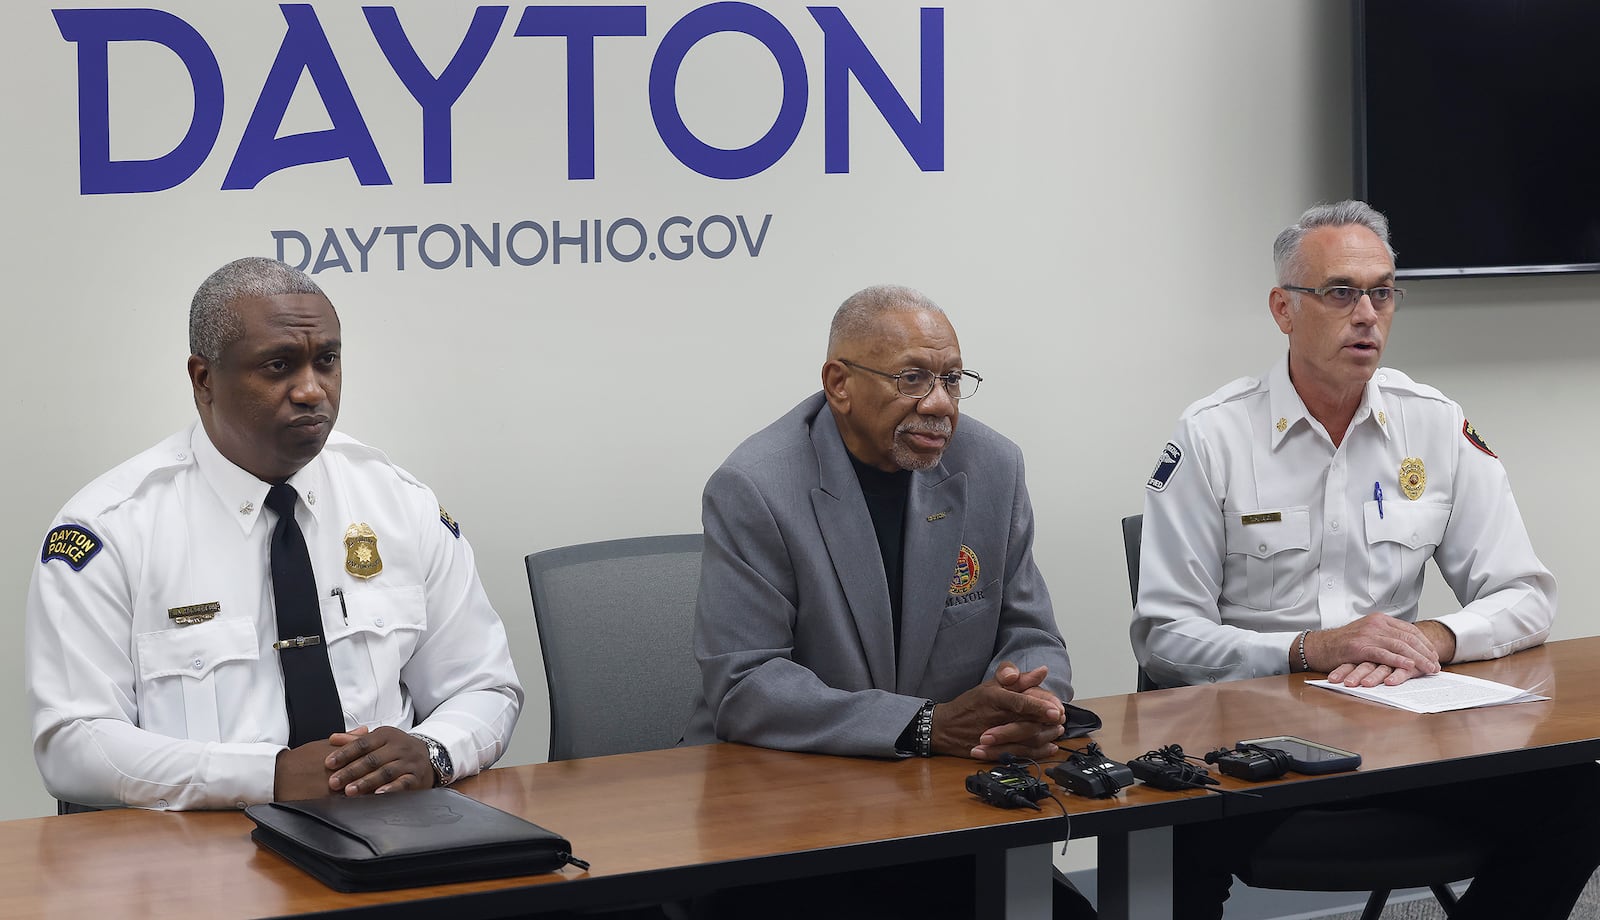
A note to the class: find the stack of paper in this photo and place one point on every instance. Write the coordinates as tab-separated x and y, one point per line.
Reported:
1439	692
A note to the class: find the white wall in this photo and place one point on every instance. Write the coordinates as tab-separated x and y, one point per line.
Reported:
1114	175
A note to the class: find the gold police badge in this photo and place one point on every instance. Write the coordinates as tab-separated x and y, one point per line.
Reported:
361	557
1413	477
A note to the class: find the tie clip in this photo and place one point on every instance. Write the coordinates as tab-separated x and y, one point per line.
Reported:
297	642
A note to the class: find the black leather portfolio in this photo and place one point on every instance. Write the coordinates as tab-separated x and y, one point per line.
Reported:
405	839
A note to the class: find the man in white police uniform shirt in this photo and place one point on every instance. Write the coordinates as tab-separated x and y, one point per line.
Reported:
1286	527
153	656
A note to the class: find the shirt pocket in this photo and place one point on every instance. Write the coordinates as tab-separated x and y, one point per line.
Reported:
1267	555
179	670
371	634
1399	543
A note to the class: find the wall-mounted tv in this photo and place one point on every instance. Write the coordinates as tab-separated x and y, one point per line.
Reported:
1478	132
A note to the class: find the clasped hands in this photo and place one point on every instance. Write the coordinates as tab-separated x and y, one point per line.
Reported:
1009	714
358	762
1379	649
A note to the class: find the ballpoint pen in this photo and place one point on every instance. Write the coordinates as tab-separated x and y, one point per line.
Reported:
1377	496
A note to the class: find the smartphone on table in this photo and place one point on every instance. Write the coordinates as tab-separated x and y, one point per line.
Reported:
1308	756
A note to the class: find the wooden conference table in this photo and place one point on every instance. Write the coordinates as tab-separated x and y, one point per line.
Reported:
667	824
1399	750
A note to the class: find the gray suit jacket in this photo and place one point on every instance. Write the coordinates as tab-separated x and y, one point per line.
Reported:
793	630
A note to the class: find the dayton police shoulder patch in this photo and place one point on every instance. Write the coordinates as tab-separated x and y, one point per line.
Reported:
1476	440
1171	456
73	544
449	522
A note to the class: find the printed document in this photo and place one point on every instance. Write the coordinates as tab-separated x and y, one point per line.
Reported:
1439	692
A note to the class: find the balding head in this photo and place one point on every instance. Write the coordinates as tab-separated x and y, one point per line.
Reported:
860	318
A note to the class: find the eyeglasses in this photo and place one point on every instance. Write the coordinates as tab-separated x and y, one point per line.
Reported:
917	383
1345	297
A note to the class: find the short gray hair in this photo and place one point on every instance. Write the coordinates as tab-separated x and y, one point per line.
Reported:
1286	249
857	318
213	322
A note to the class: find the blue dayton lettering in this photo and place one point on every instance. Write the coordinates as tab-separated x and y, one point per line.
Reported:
525	243
305	51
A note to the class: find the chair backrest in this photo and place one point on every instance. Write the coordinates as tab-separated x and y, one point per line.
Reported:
1132	534
616	624
1132	531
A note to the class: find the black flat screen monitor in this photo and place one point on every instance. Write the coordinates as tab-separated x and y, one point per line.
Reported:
1478	133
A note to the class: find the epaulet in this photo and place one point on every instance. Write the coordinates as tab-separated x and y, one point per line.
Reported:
1393	381
124	481
1228	392
72	538
358	453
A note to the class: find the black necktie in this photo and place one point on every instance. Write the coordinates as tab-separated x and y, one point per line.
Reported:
308	688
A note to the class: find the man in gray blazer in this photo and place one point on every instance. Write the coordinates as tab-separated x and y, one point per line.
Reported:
868	584
805	641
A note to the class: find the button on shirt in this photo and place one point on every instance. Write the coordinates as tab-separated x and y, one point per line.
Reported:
1263	528
131	707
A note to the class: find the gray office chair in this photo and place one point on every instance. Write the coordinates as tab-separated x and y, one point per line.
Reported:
1297	857
615	621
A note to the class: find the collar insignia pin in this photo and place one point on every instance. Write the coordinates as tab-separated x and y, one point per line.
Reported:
1283	425
247	507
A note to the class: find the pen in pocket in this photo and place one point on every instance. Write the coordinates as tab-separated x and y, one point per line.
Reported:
343	611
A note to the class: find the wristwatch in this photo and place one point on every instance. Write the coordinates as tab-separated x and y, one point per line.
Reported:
444	772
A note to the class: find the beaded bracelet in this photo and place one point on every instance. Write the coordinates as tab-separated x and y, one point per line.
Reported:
925	730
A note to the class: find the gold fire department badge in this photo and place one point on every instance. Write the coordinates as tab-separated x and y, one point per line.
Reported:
1413	478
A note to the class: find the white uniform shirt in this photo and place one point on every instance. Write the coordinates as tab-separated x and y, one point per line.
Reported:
129	707
1256	527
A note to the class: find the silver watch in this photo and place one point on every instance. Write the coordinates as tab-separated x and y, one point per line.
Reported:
444	771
